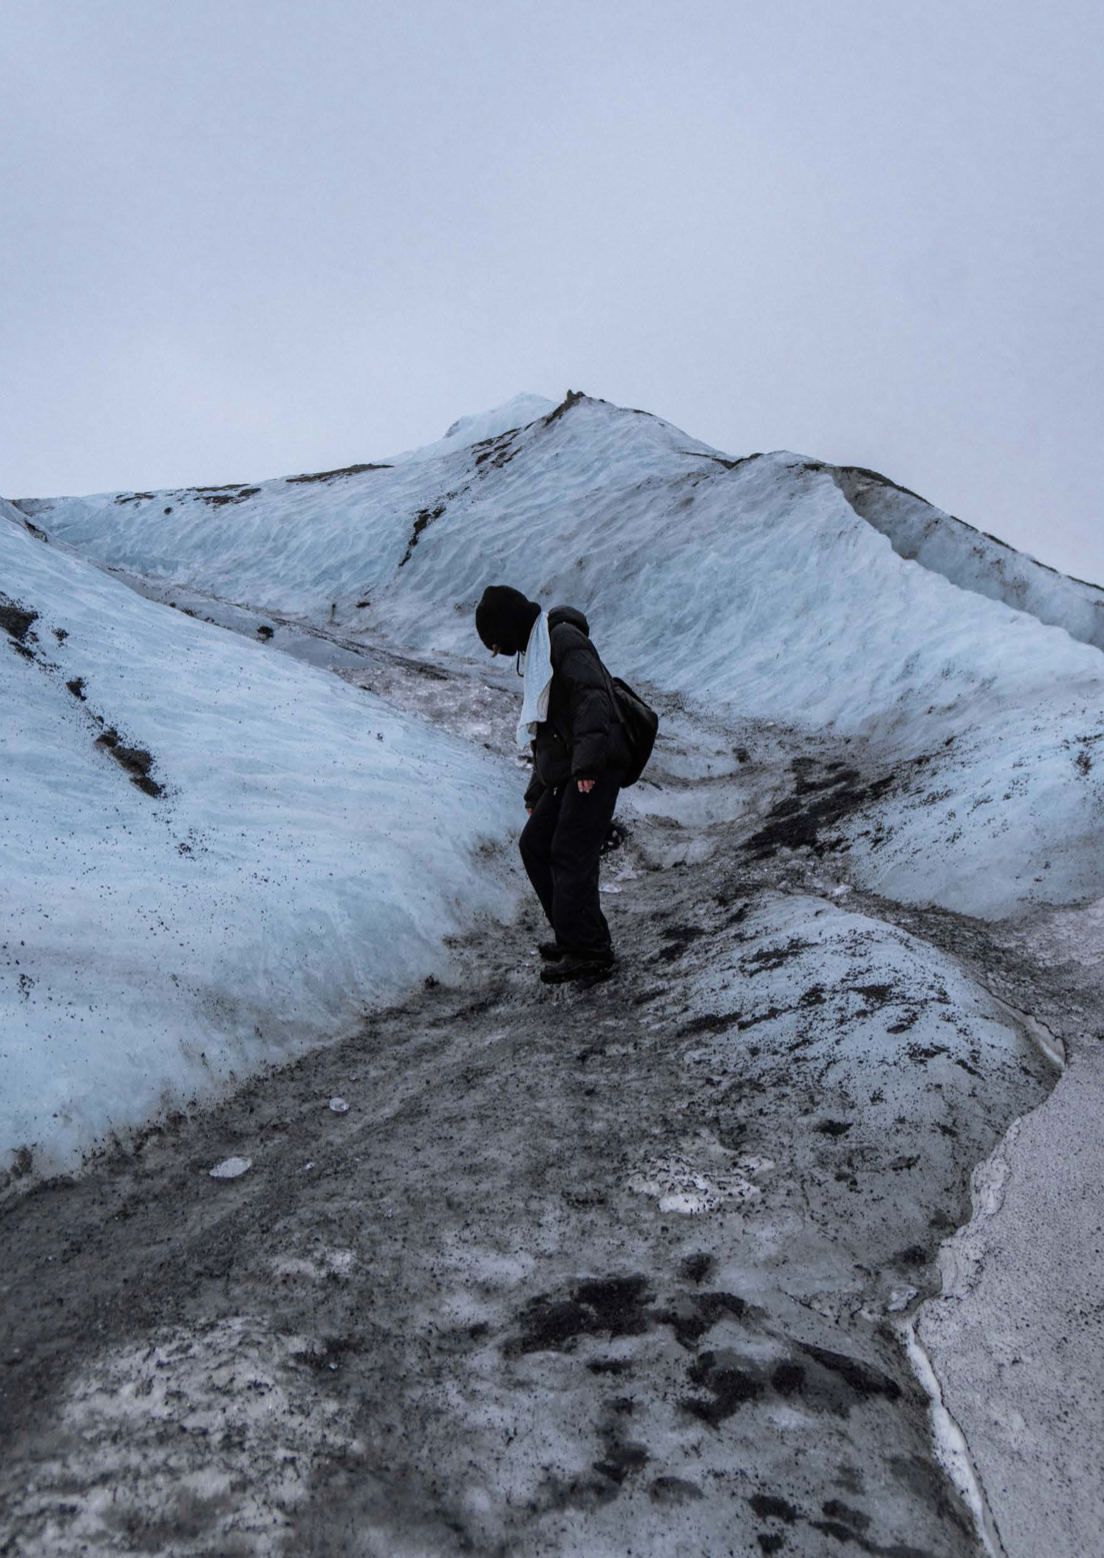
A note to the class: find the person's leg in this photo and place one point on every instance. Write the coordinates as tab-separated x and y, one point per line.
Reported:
581	829
535	845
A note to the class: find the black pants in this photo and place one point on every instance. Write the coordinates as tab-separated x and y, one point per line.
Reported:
561	846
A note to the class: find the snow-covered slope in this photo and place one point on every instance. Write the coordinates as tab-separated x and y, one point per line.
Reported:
751	586
292	852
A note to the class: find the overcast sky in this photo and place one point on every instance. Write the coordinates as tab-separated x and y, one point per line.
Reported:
243	238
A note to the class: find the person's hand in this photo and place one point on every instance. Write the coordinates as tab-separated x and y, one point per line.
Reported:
528	811
585	786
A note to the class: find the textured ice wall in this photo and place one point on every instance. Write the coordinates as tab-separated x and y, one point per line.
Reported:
309	850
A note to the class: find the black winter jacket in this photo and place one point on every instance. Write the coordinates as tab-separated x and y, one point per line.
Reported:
582	736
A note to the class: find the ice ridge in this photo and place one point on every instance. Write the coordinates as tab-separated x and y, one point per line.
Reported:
919	532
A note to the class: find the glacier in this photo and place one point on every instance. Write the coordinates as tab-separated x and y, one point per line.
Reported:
751	585
259	804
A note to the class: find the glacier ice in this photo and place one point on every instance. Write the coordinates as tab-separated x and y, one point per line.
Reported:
295	872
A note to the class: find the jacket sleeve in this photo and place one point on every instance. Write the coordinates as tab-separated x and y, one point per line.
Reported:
591	712
533	790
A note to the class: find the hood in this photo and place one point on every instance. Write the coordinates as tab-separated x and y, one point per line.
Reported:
505	617
569	615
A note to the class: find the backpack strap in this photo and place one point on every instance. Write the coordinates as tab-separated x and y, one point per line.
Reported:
614	699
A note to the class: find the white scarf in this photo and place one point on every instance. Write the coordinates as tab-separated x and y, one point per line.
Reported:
538	681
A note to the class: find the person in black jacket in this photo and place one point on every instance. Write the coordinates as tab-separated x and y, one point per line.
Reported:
579	758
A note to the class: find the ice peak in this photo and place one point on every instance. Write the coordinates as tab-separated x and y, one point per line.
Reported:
523	408
469	430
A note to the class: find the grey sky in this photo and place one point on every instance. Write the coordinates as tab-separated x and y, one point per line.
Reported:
248	237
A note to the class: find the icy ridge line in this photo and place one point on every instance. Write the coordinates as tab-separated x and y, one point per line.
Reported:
917	530
971	558
920	532
958	1264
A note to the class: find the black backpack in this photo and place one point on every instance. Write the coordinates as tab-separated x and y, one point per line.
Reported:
639	722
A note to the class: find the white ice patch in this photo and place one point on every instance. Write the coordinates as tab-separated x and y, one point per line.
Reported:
473	429
231	1168
1051	1044
699	1175
951	1447
326	1263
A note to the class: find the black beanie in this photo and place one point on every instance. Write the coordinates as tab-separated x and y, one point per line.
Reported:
505	618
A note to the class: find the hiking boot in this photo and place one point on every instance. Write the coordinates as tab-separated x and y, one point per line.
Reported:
594	965
550	951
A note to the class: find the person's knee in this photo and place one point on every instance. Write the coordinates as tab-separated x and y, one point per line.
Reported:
568	860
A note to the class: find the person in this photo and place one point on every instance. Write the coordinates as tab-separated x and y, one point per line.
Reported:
580	755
